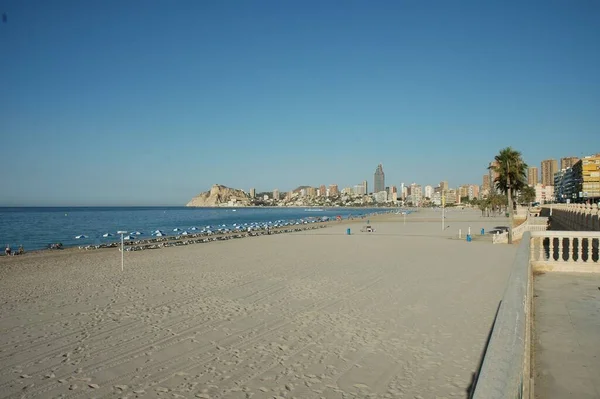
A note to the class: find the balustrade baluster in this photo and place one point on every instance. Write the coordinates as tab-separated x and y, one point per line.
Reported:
590	242
570	251
541	242
580	249
560	249
551	249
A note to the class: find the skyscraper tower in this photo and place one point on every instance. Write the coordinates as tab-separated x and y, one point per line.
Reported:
532	176
549	168
379	180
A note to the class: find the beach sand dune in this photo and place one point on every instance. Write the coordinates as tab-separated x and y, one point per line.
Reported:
401	312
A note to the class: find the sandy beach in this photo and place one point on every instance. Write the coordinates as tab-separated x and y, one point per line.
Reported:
399	313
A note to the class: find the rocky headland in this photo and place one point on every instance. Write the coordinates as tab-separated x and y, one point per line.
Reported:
220	195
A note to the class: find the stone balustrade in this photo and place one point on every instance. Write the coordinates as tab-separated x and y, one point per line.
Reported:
566	251
579	217
531	224
506	370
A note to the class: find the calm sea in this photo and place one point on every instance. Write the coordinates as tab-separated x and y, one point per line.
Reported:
35	228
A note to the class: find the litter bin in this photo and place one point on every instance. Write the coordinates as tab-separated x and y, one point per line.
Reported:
348	231
468	237
482	232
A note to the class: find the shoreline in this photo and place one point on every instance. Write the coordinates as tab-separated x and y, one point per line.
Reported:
212	218
172	240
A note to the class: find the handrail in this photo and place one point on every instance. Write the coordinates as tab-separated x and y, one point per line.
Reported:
552	233
505	372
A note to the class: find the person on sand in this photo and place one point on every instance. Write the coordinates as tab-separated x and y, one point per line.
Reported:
7	250
21	250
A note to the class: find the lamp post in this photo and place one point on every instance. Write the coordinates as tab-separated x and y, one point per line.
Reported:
443	206
122	249
509	197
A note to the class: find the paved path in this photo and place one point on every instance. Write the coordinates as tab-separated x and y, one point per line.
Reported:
400	313
567	336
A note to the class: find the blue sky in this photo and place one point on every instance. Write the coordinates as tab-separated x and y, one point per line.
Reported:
151	102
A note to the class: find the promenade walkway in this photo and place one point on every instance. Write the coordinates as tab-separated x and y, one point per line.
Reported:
567	336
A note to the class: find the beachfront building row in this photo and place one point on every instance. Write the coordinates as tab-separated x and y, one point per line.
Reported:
579	182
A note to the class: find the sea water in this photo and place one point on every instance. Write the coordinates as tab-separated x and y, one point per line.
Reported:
35	228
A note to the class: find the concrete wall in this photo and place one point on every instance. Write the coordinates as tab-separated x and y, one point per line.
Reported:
506	368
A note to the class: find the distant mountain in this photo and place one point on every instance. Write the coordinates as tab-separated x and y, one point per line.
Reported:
220	195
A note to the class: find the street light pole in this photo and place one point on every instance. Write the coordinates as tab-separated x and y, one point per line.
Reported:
122	248
443	206
510	208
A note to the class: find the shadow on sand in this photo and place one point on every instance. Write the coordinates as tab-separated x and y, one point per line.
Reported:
475	376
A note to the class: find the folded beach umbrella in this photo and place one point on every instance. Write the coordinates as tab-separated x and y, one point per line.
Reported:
81	236
107	235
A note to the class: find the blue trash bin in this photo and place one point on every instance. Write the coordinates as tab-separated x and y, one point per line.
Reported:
468	237
482	231
348	231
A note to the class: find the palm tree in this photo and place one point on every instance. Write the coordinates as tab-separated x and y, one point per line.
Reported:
527	195
511	172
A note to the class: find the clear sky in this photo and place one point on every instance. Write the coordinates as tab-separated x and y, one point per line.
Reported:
151	102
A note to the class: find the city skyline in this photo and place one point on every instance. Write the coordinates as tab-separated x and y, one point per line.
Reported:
395	183
147	106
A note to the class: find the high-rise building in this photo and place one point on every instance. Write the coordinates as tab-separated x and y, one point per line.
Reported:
402	191
473	191
451	196
493	175
532	176
252	193
366	188
360	189
379	179
444	186
588	172
568	162
544	194
322	190
333	190
549	168
485	184
428	192
393	193
276	194
416	194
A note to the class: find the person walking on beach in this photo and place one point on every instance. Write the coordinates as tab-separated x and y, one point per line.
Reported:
7	250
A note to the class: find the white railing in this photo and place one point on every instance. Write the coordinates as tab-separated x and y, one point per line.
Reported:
568	251
531	224
575	216
506	370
